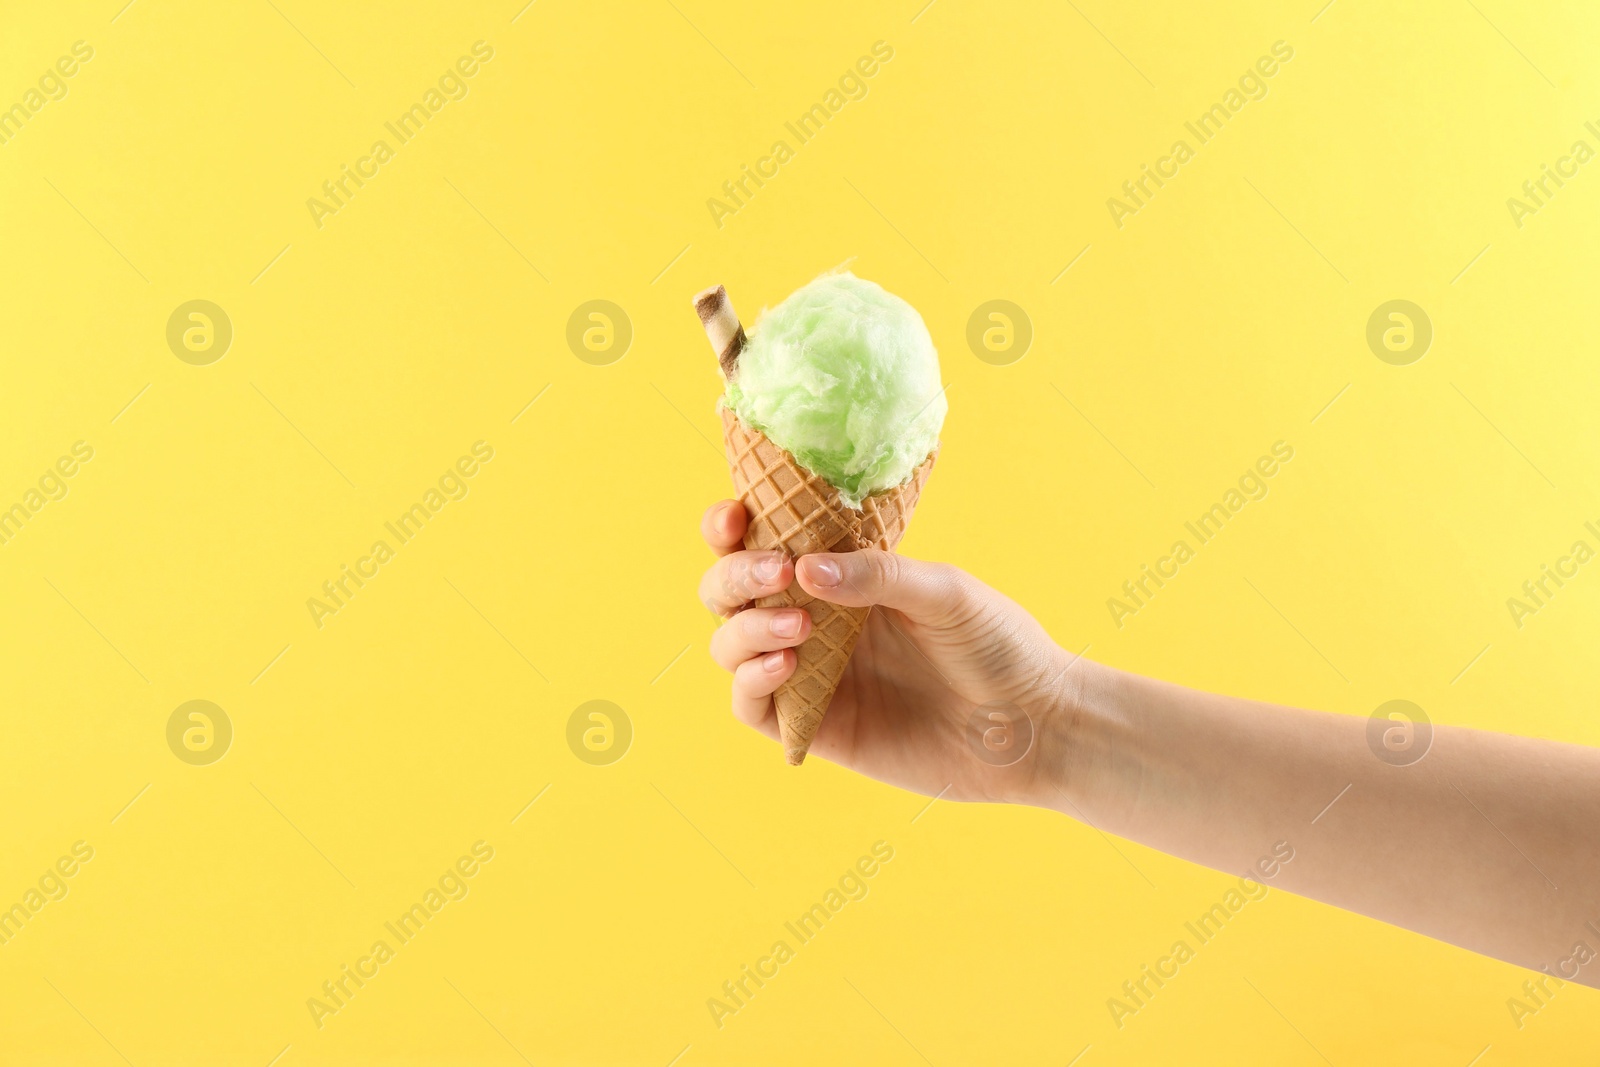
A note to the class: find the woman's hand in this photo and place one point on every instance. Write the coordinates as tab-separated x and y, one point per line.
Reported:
1480	839
948	682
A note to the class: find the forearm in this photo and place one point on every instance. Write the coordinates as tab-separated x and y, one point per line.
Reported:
1491	842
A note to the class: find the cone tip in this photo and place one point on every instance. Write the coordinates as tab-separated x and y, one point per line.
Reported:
795	756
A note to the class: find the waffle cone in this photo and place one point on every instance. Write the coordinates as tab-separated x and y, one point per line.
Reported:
795	512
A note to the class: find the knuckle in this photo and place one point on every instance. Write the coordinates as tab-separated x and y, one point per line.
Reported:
727	584
959	590
736	579
884	569
711	592
720	597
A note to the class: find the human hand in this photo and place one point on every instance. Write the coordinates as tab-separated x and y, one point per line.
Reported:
938	647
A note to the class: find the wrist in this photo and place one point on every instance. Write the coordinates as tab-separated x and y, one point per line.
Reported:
1069	710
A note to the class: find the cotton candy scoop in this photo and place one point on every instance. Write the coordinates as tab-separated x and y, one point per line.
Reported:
844	377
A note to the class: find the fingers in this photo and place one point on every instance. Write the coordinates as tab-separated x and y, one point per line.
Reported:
756	645
723	526
928	592
754	682
740	577
758	630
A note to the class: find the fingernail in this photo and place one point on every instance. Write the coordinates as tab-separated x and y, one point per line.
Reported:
773	662
824	572
786	625
767	568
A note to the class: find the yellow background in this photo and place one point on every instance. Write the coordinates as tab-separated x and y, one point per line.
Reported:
428	312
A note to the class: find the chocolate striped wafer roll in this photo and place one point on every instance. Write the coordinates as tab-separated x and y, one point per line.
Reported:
722	326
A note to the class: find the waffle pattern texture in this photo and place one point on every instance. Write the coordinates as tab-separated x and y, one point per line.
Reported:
796	512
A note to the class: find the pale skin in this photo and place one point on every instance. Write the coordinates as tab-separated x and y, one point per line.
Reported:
1489	841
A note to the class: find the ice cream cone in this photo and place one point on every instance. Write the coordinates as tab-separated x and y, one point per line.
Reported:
796	512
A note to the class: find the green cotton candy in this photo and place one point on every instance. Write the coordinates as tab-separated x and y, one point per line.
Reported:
844	377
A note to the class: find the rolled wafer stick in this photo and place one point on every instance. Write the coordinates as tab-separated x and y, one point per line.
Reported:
722	326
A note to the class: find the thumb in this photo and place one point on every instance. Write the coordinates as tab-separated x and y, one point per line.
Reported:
925	591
